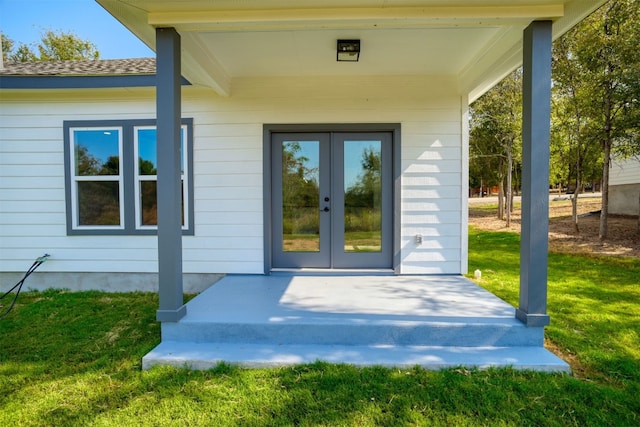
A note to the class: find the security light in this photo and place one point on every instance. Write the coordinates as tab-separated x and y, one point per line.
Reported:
348	50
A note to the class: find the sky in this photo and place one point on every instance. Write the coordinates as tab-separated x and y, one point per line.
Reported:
24	21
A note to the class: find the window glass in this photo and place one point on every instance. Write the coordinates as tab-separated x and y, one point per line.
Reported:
300	196
96	179
146	189
97	152
111	167
362	196
148	202
98	203
147	152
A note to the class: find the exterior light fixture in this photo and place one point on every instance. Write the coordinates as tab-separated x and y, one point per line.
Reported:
348	50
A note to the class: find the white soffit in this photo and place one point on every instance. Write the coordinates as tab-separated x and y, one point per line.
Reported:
313	52
477	41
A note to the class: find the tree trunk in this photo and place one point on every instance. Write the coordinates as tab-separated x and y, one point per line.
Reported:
509	187
576	194
574	207
604	210
500	199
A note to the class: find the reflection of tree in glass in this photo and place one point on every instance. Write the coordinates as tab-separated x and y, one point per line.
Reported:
98	201
363	198
87	164
148	193
111	166
149	202
300	192
146	167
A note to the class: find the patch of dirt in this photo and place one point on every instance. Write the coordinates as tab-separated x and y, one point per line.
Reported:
623	238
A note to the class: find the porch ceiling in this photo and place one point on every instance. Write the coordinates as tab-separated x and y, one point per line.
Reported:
477	41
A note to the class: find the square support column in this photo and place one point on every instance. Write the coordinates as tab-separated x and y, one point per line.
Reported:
169	186
536	123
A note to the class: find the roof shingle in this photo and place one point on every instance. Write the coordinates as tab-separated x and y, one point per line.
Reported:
95	67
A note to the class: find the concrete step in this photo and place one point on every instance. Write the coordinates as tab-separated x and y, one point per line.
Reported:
359	331
208	355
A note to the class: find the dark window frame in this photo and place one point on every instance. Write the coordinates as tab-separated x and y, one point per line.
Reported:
129	163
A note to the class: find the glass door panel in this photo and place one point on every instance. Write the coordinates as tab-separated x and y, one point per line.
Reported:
300	196
332	200
362	182
362	196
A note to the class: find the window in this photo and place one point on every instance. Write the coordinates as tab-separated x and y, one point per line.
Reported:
97	177
146	176
111	176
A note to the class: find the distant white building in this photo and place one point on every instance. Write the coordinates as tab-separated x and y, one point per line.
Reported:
624	187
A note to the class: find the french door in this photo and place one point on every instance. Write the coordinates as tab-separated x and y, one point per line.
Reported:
332	200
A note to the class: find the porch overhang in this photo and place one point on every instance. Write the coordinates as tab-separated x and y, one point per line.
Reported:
477	42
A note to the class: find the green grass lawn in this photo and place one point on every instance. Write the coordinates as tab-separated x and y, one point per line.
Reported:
74	359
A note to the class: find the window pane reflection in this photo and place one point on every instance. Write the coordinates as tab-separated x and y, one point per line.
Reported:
362	196
98	203
149	202
147	151
300	196
97	152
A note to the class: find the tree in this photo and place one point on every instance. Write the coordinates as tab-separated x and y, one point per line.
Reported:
573	153
496	132
300	191
605	63
363	198
7	46
53	46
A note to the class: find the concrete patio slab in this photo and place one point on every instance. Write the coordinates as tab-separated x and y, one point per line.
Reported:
432	321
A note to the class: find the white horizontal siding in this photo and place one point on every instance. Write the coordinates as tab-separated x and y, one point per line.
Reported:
30	205
43	171
231	231
625	172
228	172
430	230
32	193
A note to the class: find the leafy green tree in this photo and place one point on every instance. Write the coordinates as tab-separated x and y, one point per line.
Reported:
496	133
7	46
364	197
604	63
300	192
574	155
65	46
53	46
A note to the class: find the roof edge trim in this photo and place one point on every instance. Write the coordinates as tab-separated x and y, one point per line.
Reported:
78	82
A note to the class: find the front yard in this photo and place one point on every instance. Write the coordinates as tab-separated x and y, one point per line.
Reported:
74	359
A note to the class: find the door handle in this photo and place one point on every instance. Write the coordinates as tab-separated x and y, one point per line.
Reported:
326	209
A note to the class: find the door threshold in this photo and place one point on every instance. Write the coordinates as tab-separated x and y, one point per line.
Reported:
333	272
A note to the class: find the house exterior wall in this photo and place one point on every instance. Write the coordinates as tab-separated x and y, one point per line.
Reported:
624	187
228	172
